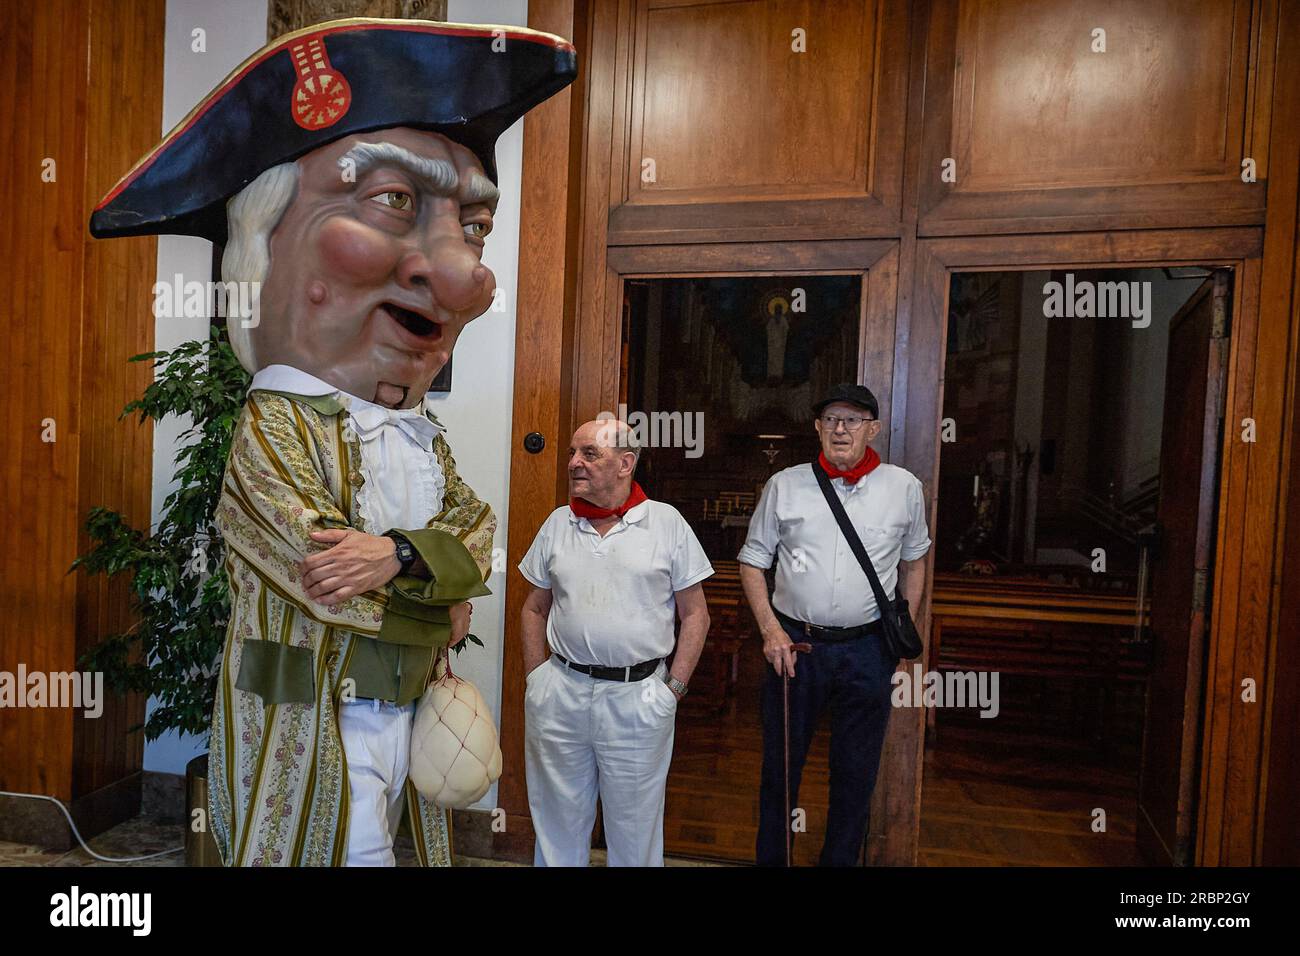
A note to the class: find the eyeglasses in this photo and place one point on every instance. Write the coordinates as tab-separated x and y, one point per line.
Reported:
851	423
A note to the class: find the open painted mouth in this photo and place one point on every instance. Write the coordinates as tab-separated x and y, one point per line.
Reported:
413	322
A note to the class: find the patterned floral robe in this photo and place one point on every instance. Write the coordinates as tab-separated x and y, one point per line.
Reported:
278	786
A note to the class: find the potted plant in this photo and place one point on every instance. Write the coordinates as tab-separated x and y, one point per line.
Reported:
180	596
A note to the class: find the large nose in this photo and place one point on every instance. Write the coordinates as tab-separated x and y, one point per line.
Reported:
448	268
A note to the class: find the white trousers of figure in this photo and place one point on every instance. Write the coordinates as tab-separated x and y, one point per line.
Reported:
377	743
585	737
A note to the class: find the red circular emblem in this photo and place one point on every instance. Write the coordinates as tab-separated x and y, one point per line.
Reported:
321	96
320	100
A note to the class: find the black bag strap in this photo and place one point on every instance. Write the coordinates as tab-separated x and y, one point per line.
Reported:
851	536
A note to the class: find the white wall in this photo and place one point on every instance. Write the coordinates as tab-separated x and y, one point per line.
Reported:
477	412
1143	411
233	29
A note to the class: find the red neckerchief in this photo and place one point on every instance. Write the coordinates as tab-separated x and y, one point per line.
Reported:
585	509
864	467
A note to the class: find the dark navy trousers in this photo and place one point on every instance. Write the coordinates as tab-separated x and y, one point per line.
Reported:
852	679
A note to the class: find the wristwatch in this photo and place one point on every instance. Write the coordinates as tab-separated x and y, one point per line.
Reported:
406	555
675	685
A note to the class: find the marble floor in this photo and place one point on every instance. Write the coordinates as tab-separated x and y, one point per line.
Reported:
144	836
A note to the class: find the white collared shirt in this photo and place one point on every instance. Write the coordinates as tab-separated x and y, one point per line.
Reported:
614	597
818	580
402	482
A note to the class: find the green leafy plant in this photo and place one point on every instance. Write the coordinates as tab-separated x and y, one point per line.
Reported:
179	590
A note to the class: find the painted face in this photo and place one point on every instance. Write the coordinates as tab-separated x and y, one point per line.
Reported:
376	264
844	448
599	472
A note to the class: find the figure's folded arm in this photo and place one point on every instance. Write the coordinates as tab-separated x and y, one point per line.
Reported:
273	499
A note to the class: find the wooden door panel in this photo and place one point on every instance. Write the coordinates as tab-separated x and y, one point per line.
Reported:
1189	446
797	143
918	402
1045	133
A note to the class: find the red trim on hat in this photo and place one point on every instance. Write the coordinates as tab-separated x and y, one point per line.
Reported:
298	37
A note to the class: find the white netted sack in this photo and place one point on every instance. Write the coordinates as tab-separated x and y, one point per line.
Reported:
455	753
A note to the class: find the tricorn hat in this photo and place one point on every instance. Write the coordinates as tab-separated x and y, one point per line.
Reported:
468	82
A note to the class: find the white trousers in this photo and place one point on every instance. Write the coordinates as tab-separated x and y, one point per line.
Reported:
585	737
377	744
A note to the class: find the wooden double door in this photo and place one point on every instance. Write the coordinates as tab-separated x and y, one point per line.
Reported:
902	343
905	141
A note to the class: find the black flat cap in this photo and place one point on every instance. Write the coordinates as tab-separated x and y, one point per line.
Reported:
468	82
858	395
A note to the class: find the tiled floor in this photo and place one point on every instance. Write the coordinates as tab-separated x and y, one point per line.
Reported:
138	837
143	837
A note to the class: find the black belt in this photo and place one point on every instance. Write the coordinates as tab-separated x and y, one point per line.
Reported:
626	674
831	633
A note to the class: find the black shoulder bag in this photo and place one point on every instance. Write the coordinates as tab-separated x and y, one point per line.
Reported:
900	635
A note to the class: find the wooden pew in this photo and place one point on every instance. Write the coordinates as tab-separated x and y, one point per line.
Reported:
1035	628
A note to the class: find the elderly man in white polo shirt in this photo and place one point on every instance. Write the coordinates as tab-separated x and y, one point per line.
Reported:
823	598
609	572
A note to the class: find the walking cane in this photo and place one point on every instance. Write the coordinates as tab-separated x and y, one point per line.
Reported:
785	702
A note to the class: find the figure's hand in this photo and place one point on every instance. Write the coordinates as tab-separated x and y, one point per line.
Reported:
460	620
779	650
355	562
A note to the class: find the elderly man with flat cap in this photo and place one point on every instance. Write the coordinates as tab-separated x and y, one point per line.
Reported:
823	598
349	170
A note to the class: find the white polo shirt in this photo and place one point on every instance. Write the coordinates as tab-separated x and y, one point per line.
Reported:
818	579
613	599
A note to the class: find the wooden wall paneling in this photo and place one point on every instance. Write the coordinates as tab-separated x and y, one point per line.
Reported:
1248	499
607	102
918	387
896	803
1278	838
543	338
780	144
126	77
757	258
42	117
1232	596
86	84
1249	784
876	346
1050	136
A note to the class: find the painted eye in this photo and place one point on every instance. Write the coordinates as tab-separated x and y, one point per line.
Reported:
478	230
394	200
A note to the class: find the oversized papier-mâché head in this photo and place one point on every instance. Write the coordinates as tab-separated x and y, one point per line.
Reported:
349	170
